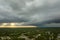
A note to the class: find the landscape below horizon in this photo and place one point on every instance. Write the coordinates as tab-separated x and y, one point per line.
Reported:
39	33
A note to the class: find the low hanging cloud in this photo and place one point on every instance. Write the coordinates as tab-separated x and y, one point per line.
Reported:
52	25
29	11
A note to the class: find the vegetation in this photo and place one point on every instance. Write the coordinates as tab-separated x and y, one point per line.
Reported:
30	33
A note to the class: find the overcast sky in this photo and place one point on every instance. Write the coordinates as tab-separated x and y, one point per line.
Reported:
32	12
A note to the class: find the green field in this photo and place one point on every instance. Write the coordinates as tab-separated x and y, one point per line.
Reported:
46	33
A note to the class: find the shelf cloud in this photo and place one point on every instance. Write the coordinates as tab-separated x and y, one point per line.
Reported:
29	11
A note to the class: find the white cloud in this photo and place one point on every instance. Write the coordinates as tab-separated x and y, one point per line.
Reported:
5	8
52	2
35	3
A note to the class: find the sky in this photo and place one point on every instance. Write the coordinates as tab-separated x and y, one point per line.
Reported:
31	12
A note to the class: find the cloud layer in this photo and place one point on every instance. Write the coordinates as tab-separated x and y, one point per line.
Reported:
29	11
52	25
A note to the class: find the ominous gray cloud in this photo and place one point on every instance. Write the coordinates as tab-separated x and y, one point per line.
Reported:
29	11
52	25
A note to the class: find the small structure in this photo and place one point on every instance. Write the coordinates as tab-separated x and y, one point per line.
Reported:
23	37
58	37
38	35
5	38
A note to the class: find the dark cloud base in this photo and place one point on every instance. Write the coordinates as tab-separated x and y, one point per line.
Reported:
36	12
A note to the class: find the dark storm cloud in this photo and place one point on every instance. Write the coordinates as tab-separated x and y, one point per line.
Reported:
30	11
52	25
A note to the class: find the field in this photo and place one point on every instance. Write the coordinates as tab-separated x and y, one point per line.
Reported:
46	33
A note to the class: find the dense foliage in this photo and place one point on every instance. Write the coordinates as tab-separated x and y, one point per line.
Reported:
29	34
